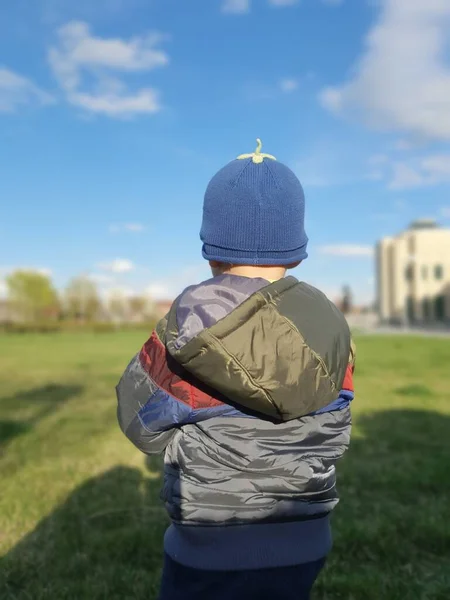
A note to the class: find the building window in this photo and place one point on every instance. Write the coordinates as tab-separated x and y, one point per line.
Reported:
439	308
424	272
438	272
409	273
427	309
410	309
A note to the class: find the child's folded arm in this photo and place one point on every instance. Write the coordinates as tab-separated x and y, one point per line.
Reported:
144	415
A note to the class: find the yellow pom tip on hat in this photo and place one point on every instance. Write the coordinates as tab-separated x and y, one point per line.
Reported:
257	156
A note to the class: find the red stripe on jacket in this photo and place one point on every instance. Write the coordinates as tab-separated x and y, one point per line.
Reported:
153	358
348	379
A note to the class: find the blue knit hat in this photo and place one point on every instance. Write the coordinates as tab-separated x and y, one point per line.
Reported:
253	213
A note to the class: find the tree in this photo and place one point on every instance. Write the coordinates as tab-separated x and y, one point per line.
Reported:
347	300
140	308
32	295
138	304
81	299
118	306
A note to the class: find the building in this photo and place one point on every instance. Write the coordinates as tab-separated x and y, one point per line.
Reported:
162	307
413	275
5	311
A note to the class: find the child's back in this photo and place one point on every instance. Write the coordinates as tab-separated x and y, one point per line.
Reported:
246	386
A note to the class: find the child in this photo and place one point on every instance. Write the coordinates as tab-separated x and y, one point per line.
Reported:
246	387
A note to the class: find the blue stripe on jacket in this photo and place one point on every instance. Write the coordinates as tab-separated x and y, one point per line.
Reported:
342	401
163	411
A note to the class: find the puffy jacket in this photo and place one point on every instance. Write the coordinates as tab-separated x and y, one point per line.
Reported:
246	386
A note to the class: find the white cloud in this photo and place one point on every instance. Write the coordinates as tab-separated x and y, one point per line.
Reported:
143	101
130	227
378	159
402	81
16	90
445	212
134	227
119	265
159	291
241	7
80	58
101	278
79	49
256	91
437	166
347	250
288	85
403	145
426	171
283	2
404	176
236	6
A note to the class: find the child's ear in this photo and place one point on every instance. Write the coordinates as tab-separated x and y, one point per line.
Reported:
293	265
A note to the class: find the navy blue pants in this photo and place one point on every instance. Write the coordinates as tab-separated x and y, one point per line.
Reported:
282	583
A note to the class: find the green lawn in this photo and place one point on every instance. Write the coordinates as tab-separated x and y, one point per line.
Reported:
79	511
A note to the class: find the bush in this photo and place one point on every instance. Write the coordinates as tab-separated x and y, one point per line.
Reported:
104	327
44	327
75	326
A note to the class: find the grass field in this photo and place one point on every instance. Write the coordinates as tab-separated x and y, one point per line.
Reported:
79	511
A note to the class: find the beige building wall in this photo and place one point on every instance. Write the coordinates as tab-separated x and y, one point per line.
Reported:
413	275
383	278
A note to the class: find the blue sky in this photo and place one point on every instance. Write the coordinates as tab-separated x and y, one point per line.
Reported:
114	115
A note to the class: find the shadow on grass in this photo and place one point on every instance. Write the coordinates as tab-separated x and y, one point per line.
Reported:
21	412
11	429
392	532
104	542
392	527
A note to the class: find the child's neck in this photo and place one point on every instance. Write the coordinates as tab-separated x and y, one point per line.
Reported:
269	273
